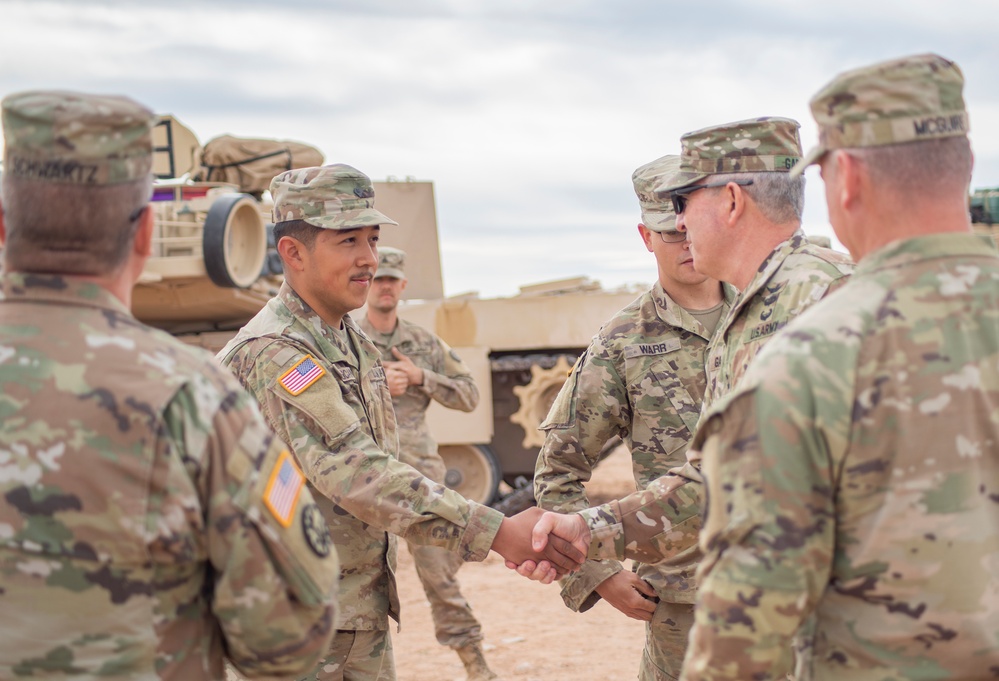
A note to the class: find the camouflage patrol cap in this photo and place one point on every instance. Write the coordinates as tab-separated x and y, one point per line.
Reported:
331	197
391	263
903	100
657	213
76	138
766	144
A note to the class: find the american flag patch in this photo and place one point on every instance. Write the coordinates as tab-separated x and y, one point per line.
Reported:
283	489
301	376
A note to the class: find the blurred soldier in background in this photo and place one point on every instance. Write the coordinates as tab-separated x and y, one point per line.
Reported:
420	367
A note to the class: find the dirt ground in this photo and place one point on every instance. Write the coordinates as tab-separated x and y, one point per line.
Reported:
530	634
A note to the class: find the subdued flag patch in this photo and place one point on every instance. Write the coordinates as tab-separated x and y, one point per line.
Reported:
301	376
283	488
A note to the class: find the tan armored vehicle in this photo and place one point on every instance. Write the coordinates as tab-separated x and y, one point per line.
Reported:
214	267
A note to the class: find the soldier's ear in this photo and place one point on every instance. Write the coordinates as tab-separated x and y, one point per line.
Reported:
405	282
292	252
646	235
143	243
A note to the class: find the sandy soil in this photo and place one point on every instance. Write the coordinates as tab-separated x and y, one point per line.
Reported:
530	634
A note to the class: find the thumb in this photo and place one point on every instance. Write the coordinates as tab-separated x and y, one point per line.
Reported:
539	535
645	588
398	354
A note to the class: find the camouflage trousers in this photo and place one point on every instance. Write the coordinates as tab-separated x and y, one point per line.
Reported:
666	641
454	624
356	656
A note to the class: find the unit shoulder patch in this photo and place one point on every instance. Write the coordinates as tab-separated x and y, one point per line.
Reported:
317	534
298	378
283	488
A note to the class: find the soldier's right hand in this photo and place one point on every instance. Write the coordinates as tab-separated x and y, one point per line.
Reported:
630	594
514	543
397	381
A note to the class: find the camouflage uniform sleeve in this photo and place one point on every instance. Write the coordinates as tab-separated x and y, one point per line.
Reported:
590	408
274	593
659	524
768	538
451	382
345	464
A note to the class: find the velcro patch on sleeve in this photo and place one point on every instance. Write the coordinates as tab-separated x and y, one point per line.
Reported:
305	372
283	489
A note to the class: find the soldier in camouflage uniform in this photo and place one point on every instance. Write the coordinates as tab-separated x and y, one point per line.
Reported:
642	378
151	526
321	384
742	211
853	474
426	369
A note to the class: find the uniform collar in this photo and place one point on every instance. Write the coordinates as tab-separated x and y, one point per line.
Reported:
768	268
59	289
909	251
330	342
678	317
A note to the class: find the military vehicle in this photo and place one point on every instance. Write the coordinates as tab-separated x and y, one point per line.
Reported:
214	266
984	208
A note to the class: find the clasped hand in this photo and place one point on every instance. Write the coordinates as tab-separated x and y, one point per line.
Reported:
559	545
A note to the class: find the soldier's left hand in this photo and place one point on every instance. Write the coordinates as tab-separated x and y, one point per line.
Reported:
404	364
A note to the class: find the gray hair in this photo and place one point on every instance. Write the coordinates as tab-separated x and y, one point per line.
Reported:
71	229
780	197
933	167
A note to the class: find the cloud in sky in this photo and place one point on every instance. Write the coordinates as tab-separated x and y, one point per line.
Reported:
528	117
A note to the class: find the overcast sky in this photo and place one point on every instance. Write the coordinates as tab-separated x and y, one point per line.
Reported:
529	117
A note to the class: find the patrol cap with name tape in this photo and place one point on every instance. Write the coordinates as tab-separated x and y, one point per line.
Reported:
910	99
657	213
76	138
391	263
767	144
336	196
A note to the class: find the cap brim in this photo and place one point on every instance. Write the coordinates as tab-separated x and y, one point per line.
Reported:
351	219
389	272
658	221
813	156
677	180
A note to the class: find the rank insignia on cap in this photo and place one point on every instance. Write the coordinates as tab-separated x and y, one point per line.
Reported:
317	534
283	488
301	376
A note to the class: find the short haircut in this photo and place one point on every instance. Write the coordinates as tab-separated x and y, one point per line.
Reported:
300	230
71	229
780	197
938	166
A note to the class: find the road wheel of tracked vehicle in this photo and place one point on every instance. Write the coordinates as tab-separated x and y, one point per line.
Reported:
234	242
537	397
472	471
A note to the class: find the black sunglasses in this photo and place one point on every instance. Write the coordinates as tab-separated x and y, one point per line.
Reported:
679	196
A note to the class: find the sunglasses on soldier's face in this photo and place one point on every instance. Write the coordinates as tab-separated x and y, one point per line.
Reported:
679	196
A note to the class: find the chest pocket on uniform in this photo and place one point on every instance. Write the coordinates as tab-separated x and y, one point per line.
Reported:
664	411
378	408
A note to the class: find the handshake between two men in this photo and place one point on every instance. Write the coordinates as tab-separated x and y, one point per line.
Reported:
560	544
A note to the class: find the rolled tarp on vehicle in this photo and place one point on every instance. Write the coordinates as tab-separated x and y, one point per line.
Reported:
252	163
